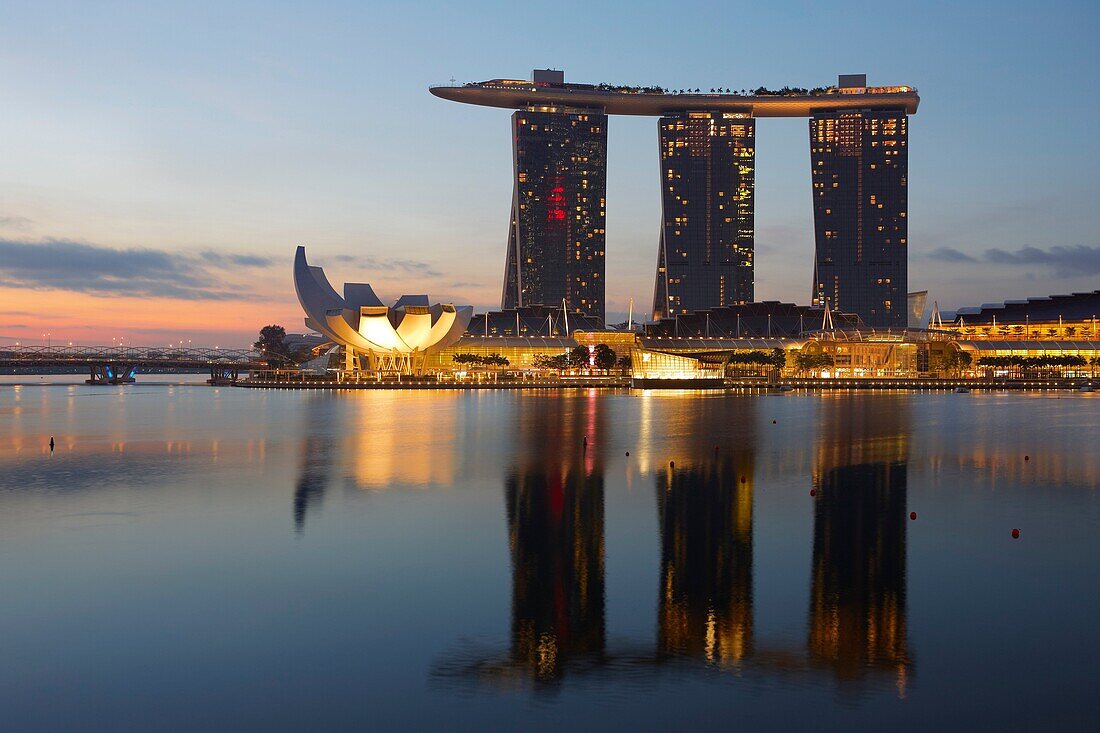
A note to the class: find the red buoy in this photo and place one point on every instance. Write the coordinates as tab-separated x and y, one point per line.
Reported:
628	453
672	464
813	492
1015	533
743	479
912	515
1027	458
773	422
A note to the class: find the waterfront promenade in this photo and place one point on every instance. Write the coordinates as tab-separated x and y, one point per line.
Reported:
298	380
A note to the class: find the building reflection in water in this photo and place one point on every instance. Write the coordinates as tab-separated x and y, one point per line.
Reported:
857	617
555	509
554	504
554	498
704	510
318	449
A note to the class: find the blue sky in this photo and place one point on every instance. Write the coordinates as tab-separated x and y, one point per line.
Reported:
218	136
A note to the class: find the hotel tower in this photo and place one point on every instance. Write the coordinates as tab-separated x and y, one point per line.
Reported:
556	235
707	142
704	257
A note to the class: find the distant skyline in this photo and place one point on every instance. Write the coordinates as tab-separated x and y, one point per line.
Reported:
160	165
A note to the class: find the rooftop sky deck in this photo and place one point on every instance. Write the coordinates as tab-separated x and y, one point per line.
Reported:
652	101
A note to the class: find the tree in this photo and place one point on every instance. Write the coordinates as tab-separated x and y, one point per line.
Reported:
624	362
272	345
755	358
813	361
559	361
605	357
578	357
479	360
950	361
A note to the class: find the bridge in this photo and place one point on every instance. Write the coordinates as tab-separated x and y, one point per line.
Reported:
120	364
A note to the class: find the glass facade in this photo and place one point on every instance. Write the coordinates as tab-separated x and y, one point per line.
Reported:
859	164
556	237
708	173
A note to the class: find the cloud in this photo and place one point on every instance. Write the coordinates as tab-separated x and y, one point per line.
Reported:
949	254
412	267
1063	261
18	223
61	264
224	260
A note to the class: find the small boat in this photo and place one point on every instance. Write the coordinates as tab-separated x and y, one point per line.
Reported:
1085	388
962	390
786	388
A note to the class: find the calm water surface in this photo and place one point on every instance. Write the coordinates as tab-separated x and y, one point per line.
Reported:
190	558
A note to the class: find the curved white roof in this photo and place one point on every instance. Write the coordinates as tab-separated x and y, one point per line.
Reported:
359	320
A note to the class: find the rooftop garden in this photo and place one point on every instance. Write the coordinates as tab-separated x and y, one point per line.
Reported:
757	92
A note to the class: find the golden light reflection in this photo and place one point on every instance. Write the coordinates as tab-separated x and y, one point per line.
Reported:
386	449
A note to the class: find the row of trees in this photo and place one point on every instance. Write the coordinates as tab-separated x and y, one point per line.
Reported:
776	358
479	360
1052	332
1037	362
579	357
759	91
950	361
813	361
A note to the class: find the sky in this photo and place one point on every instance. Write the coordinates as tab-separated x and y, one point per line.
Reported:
160	162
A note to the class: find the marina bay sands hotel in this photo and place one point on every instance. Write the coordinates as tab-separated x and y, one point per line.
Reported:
705	257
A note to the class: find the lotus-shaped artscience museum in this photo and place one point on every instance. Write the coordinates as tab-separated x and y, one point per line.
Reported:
392	339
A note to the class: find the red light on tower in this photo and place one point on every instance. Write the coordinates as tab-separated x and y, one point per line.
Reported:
555	202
